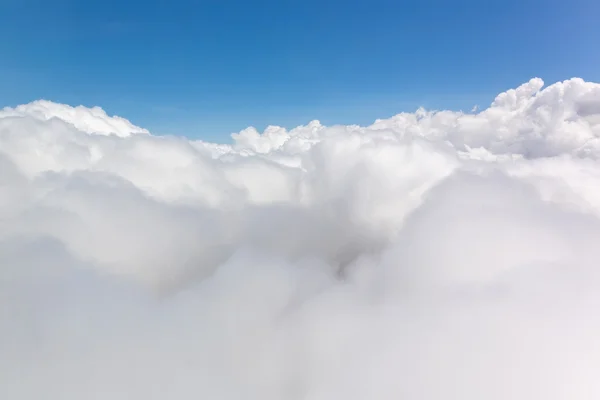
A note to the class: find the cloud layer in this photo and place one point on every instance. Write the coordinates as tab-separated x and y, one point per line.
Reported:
432	255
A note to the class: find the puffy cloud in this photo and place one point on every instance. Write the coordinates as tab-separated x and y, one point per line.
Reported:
432	255
89	120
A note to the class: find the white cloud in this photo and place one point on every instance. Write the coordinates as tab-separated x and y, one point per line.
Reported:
90	120
432	255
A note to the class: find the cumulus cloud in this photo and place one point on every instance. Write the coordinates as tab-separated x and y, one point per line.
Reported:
431	255
89	120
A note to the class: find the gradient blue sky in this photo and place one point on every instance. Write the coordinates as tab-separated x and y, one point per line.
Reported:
209	68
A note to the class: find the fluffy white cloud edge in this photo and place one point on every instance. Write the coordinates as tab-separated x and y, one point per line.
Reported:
89	120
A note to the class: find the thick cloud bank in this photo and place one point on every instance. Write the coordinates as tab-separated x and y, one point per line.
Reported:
432	255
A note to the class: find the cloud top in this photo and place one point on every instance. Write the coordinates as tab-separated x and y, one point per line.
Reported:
431	255
89	120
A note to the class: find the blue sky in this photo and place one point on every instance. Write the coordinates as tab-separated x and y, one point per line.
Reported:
209	68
